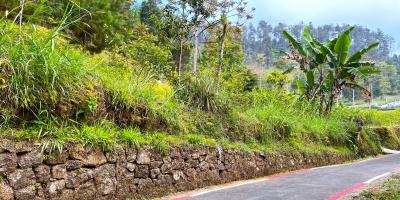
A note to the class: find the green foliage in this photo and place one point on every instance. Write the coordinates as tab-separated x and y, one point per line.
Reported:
40	71
277	79
382	118
56	93
388	190
239	80
151	15
201	92
149	57
96	24
344	70
234	55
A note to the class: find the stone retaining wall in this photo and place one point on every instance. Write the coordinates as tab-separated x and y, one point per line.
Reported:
84	173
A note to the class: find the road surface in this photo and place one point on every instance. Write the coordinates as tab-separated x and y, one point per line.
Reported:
325	183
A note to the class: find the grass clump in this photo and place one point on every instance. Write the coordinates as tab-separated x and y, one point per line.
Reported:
131	97
40	72
389	190
377	118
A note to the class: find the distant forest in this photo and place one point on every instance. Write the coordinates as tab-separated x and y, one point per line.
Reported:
260	41
264	37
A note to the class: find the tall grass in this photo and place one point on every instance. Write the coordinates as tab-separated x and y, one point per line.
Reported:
43	74
273	116
39	70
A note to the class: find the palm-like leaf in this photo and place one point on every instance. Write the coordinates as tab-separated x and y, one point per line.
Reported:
302	86
361	64
343	44
358	55
362	72
294	43
358	87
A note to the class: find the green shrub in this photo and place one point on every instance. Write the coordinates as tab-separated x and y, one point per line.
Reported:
201	92
40	71
381	118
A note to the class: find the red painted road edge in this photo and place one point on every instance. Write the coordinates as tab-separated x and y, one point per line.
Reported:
336	196
353	188
347	191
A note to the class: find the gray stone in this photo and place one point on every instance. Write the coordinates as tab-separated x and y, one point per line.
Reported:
86	191
42	173
73	164
203	166
65	194
145	186
165	179
59	172
96	158
143	157
166	168
8	163
131	155
156	164
55	188
118	154
176	175
7	146
6	192
25	193
23	147
142	171
130	166
90	157
196	156
105	179
76	178
56	158
21	178
154	173
31	159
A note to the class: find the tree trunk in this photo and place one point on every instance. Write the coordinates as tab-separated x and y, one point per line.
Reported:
21	13
321	93
221	53
180	58
195	50
353	98
333	94
371	100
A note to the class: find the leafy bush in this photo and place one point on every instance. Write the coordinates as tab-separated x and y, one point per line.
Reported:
381	118
132	98
201	92
40	71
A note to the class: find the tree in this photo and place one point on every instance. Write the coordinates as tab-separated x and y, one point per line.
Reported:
277	79
185	16
229	9
151	15
267	37
336	66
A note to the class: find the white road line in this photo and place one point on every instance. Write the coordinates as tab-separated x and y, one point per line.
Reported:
345	164
222	188
377	177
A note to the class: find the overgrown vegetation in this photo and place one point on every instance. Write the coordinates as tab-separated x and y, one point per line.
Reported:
389	190
142	90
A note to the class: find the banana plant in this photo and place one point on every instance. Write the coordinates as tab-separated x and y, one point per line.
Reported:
345	69
309	57
329	67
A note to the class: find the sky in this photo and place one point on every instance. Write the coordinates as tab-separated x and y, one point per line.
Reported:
374	14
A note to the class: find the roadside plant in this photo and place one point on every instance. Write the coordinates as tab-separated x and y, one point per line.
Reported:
329	67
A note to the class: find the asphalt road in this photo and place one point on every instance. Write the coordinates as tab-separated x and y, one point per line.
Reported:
312	184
